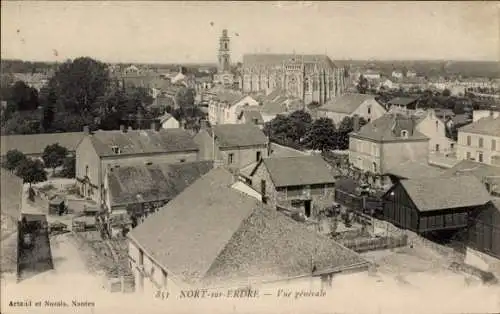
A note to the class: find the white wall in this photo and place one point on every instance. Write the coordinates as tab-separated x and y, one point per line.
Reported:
171	123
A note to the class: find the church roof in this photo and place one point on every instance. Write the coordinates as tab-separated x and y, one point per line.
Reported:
276	59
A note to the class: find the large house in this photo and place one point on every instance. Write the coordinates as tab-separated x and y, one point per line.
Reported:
213	236
480	141
311	78
348	105
227	105
386	143
235	145
33	145
298	183
102	150
434	204
141	189
435	129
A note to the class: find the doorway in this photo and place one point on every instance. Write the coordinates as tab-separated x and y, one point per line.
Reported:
307	208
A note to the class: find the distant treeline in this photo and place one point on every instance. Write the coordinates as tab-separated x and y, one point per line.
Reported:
466	69
19	66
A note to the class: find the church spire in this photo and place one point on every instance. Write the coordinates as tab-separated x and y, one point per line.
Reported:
224	53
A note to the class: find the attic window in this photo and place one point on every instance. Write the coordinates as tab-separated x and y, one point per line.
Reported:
404	133
116	149
149	163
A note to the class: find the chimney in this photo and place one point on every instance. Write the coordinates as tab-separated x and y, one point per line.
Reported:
269	148
86	130
355	123
122	128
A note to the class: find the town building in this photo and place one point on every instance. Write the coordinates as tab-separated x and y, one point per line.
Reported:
404	103
251	116
488	174
214	236
397	74
167	121
224	75
349	105
226	106
307	188
483	234
386	143
480	141
141	190
234	145
371	75
102	150
434	204
413	170
307	77
411	73
33	145
279	103
435	129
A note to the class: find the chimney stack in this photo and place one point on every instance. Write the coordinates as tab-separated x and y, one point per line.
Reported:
86	130
355	123
122	128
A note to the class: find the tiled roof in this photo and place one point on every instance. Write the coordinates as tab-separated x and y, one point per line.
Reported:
146	183
485	126
415	170
212	234
142	141
229	97
346	103
402	101
299	170
389	128
278	59
446	192
252	115
30	144
238	135
284	151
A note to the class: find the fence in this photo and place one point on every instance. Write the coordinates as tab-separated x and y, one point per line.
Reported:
372	244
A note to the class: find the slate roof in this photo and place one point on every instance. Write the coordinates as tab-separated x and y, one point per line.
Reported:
388	128
415	170
232	237
238	135
133	142
485	126
252	115
229	97
270	59
147	183
31	144
438	193
346	103
300	170
402	101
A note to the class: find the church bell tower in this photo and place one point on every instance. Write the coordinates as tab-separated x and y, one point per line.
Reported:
224	53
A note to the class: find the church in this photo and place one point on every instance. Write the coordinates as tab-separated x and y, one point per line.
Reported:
312	78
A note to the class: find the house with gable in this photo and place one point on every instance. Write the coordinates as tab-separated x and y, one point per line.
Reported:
100	151
349	105
435	129
214	236
167	121
251	116
225	107
233	145
386	143
297	183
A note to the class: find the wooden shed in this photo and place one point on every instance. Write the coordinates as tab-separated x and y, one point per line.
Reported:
484	230
434	204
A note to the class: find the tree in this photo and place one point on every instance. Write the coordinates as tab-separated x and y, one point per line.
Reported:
322	135
31	171
301	122
185	97
24	97
19	124
13	159
346	126
69	167
77	85
362	85
53	156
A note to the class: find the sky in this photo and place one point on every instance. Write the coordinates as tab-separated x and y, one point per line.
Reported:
188	32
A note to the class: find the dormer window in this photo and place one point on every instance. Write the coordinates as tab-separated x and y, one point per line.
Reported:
404	133
116	149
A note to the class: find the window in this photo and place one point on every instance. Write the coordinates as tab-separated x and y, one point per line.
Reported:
258	157
375	167
87	171
480	157
480	143
493	145
468	140
437	126
182	160
468	156
315	85
149	163
369	109
404	133
306	84
230	158
452	145
437	147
